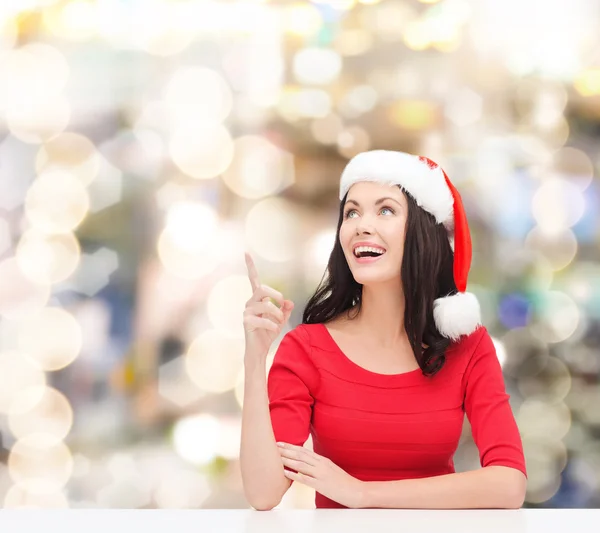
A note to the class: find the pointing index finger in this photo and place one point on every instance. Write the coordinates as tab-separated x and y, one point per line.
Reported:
252	272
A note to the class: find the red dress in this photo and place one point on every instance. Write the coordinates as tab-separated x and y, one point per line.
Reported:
380	427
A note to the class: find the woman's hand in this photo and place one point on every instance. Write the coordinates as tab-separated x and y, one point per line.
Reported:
263	320
321	474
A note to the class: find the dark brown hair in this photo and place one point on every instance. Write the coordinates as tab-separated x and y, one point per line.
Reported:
426	272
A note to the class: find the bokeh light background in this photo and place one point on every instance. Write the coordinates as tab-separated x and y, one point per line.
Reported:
146	143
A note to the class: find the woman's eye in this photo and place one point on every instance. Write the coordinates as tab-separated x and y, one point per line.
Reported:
347	214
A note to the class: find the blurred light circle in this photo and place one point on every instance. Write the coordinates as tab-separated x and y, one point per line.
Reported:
352	141
574	166
56	202
327	129
213	360
514	310
17	373
39	121
258	167
40	462
35	72
226	302
526	355
52	338
538	418
301	19
196	438
558	316
71	152
552	383
19	497
191	244
559	247
353	42
272	229
162	29
48	259
19	295
74	21
197	94
295	104
181	489
545	459
557	205
358	100
315	255
317	66
47	411
414	114
202	151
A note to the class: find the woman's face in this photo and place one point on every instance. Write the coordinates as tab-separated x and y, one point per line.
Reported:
374	213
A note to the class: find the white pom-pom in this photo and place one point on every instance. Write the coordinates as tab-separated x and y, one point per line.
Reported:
457	315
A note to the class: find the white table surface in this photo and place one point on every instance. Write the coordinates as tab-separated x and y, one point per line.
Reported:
305	520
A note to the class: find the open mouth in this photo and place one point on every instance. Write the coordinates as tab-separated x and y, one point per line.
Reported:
367	255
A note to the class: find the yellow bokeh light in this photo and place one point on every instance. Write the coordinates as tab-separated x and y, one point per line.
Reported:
17	373
19	295
273	229
416	35
414	114
56	202
48	259
202	151
259	168
214	359
41	463
52	338
71	152
47	411
587	83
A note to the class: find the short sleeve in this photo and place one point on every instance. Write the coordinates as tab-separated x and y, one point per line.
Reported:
486	404
291	383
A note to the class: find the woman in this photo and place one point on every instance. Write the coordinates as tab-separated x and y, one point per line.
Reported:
389	357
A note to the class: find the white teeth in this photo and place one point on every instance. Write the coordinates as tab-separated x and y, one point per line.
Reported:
360	249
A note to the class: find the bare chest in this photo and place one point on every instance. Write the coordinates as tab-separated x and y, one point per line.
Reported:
394	360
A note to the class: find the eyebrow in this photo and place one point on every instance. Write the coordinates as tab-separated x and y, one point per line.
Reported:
377	202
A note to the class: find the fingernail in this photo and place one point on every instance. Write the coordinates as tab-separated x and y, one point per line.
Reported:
280	444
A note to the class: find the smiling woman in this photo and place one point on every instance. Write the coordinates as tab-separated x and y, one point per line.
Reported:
391	355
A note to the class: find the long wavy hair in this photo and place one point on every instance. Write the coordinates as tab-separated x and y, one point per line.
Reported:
426	272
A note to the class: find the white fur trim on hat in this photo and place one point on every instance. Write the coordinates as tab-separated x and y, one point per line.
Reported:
457	315
427	186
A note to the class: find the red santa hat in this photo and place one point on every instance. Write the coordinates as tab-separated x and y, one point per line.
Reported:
428	184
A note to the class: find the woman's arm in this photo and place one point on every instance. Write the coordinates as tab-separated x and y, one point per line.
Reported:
262	472
491	487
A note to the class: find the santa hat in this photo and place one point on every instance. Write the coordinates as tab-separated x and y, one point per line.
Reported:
428	184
